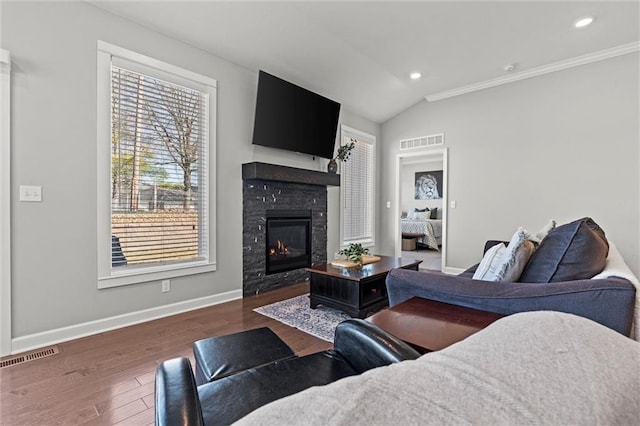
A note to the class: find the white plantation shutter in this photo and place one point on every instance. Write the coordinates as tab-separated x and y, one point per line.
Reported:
357	187
156	177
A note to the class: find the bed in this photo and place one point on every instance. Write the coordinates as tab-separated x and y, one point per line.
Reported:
431	228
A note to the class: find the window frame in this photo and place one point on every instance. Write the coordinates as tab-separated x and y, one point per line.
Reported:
5	202
107	276
348	132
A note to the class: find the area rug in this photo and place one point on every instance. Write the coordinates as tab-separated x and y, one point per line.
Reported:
320	322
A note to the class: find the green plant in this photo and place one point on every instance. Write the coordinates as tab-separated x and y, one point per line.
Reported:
354	252
345	151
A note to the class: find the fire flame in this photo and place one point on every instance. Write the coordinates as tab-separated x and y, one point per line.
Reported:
279	250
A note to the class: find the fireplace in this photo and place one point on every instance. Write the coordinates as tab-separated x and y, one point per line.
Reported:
288	240
267	189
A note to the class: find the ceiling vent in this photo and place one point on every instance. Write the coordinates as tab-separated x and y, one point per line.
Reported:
422	142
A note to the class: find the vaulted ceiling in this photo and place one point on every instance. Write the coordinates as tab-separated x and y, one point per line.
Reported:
361	53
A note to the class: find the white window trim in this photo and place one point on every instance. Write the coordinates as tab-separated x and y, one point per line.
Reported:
346	131
106	277
5	203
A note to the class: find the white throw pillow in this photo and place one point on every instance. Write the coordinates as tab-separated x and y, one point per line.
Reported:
539	236
507	263
515	257
421	215
491	261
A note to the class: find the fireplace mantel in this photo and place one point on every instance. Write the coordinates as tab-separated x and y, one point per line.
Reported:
274	172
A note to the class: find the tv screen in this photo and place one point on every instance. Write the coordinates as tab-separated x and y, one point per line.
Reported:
292	118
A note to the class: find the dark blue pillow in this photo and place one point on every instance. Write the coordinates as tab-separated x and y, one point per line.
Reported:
574	251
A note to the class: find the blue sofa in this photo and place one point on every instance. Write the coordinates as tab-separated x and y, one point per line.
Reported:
557	279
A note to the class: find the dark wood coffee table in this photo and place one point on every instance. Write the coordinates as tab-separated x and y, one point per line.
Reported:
357	291
430	326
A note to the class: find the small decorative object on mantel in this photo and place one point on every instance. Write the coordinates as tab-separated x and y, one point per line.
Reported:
356	255
332	167
343	155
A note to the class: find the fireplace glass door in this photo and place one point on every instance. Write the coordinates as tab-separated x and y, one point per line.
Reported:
288	242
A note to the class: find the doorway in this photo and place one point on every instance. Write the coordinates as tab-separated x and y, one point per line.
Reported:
410	166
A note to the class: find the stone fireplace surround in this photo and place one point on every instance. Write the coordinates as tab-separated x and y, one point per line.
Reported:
273	187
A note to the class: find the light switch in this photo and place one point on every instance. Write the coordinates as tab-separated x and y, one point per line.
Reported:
388	204
30	193
453	204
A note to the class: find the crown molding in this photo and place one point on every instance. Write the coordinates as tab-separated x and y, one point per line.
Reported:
535	72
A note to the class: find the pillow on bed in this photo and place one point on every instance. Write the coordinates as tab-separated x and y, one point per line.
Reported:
421	216
434	213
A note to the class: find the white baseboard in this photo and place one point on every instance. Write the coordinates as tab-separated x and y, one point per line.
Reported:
453	271
64	334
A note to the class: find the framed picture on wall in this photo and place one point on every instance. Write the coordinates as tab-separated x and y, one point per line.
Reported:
428	185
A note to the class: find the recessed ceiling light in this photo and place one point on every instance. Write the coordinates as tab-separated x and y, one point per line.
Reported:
415	75
583	22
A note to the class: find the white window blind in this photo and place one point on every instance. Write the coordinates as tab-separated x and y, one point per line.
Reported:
159	180
159	170
358	184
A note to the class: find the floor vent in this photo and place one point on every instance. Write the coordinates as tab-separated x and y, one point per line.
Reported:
422	142
21	359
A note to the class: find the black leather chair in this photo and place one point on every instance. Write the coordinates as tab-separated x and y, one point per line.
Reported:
358	346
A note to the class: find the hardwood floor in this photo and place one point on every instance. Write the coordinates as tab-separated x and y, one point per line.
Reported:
108	379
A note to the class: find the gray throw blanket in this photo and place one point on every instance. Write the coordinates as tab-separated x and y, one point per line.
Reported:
529	368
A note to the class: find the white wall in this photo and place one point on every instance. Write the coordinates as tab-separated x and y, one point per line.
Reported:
53	46
562	146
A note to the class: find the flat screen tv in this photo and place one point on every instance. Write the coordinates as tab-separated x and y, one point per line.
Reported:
292	118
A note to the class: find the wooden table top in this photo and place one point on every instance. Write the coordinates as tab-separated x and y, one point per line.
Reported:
356	273
430	325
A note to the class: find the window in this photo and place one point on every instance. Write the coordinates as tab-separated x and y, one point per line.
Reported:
156	127
357	189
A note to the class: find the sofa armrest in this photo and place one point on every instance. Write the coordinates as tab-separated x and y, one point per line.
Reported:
176	394
365	346
607	301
